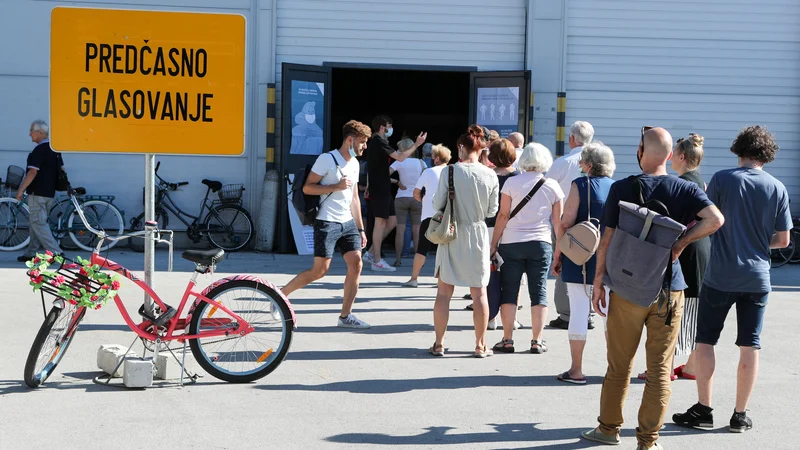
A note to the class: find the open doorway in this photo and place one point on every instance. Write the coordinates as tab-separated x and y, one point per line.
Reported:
417	100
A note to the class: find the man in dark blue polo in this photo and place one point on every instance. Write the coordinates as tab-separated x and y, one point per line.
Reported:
40	184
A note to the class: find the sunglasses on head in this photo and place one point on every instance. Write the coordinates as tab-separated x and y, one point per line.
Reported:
645	129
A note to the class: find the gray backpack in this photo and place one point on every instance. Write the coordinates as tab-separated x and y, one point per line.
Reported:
639	258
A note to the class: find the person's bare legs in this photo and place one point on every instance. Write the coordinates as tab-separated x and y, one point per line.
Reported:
480	315
382	229
538	317
419	261
705	362
576	352
746	376
508	314
303	279
441	311
354	266
399	240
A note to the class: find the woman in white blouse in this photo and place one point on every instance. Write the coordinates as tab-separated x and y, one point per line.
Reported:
524	242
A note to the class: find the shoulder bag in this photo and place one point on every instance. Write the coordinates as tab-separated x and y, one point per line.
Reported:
580	242
442	228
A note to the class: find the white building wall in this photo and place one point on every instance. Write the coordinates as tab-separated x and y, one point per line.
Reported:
707	66
24	84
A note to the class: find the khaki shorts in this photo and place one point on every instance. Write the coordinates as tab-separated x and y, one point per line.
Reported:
405	207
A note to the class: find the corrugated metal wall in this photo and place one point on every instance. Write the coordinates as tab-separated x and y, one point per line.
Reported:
710	66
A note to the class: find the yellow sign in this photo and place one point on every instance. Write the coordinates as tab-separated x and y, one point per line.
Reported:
147	82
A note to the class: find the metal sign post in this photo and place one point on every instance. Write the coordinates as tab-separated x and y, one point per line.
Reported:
149	214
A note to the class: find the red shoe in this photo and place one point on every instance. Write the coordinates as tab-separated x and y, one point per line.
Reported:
643	376
679	373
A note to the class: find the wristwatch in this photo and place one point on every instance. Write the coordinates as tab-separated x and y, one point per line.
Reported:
361	230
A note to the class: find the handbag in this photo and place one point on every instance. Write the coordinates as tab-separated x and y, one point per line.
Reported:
442	228
580	242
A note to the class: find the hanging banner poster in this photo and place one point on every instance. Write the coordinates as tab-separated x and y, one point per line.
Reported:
308	109
498	109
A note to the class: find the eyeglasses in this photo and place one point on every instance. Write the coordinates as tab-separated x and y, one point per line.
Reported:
645	129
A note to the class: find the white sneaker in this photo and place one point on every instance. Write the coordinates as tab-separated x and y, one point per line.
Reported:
367	258
411	284
351	321
492	325
383	266
517	325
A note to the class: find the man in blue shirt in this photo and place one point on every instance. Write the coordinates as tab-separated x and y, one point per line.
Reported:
684	201
40	183
756	207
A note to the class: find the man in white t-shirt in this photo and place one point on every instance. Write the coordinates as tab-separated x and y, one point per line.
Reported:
564	170
339	226
519	141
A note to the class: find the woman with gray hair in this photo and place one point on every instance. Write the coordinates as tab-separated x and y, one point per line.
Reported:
523	239
587	196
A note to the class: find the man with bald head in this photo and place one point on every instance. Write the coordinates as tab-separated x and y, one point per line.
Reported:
684	202
519	141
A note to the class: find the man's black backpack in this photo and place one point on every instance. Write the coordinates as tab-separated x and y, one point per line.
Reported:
307	206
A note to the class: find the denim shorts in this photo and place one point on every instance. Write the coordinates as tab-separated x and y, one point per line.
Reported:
532	258
330	237
713	309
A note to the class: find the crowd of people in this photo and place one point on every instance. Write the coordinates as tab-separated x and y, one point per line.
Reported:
513	207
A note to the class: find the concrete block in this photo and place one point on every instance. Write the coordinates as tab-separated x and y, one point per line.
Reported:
108	356
138	373
167	368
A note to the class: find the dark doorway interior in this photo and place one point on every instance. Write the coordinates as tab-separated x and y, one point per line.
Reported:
417	100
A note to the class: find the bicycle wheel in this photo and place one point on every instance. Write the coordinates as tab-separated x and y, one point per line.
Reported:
229	227
102	216
52	342
242	358
15	220
137	224
57	218
781	256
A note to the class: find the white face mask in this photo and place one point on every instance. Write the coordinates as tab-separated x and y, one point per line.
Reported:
310	118
389	132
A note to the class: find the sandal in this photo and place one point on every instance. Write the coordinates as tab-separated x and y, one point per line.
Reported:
397	263
436	351
483	352
681	374
565	377
538	347
504	346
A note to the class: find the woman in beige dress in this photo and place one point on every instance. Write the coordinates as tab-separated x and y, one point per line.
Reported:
465	260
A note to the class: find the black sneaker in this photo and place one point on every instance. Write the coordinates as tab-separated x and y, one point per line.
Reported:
698	416
740	422
559	323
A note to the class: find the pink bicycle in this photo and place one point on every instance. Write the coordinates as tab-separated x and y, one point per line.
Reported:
238	328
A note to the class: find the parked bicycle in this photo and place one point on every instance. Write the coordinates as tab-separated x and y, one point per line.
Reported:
238	328
227	225
781	256
62	218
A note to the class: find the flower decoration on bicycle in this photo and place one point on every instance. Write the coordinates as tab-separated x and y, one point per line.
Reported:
78	282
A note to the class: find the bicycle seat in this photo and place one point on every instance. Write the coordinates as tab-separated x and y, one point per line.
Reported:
204	257
214	185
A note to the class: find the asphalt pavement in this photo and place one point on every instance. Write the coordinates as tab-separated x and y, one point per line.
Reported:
375	388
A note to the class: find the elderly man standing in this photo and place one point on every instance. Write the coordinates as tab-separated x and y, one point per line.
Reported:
518	140
40	183
565	170
684	201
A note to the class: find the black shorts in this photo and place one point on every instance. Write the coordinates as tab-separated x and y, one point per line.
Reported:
330	237
424	245
382	207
